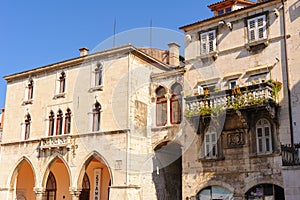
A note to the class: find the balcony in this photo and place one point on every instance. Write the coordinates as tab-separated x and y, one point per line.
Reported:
262	94
57	142
290	155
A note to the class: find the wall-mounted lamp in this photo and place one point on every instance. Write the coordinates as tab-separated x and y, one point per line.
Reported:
228	24
276	10
188	38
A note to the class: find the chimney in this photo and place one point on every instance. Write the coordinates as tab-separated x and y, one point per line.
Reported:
174	54
83	51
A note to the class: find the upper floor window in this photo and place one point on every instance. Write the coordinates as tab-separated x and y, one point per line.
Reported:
98	75
68	121
27	126
176	102
257	28
208	42
210	144
232	83
62	82
96	116
51	123
161	106
263	137
59	123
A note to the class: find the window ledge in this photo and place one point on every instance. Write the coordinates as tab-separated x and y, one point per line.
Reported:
258	155
60	95
25	102
206	159
257	44
96	88
213	54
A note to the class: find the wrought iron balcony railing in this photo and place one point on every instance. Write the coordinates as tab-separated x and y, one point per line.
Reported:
237	98
290	155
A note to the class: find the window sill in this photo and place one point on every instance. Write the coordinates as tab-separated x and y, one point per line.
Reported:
257	45
259	155
26	102
206	159
96	88
60	95
213	54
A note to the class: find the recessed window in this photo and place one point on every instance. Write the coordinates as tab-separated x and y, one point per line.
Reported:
27	126
96	116
220	12
257	28
227	10
232	84
176	102
30	90
210	143
98	75
207	42
263	137
51	123
161	106
257	78
68	121
62	82
59	123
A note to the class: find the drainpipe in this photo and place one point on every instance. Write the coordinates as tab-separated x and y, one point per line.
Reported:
287	73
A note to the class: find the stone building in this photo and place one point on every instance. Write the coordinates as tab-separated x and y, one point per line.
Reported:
242	73
89	127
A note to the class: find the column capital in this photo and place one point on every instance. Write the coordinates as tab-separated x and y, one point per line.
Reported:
75	191
38	190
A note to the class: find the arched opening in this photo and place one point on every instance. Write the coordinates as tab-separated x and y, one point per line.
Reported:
95	179
85	192
25	181
57	182
214	192
176	103
265	192
50	192
167	173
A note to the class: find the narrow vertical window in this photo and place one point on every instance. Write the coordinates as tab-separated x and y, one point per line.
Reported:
51	123
263	136
30	90
210	144
62	82
176	102
27	126
98	75
59	123
161	106
68	122
96	117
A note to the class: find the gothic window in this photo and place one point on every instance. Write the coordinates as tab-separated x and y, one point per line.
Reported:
29	90
62	82
161	106
59	122
27	126
96	116
263	137
68	121
98	75
51	123
176	103
85	192
50	193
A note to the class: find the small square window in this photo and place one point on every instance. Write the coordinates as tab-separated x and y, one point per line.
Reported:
228	10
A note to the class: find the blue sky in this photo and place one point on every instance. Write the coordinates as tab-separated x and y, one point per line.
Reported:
35	33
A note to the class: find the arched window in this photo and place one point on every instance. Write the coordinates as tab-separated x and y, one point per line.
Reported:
50	192
62	82
51	123
161	106
96	116
176	102
30	90
98	74
214	192
27	126
68	121
85	192
263	137
59	122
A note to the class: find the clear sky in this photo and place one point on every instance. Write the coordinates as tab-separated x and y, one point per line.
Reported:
35	33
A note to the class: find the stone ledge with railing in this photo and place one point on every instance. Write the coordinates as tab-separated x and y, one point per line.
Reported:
237	98
290	154
58	141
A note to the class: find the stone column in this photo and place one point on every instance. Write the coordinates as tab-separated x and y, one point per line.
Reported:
75	193
168	97
39	193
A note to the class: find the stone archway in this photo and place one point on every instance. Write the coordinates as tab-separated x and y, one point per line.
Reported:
265	192
214	192
167	171
97	172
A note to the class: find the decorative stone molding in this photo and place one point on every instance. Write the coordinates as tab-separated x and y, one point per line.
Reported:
58	142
